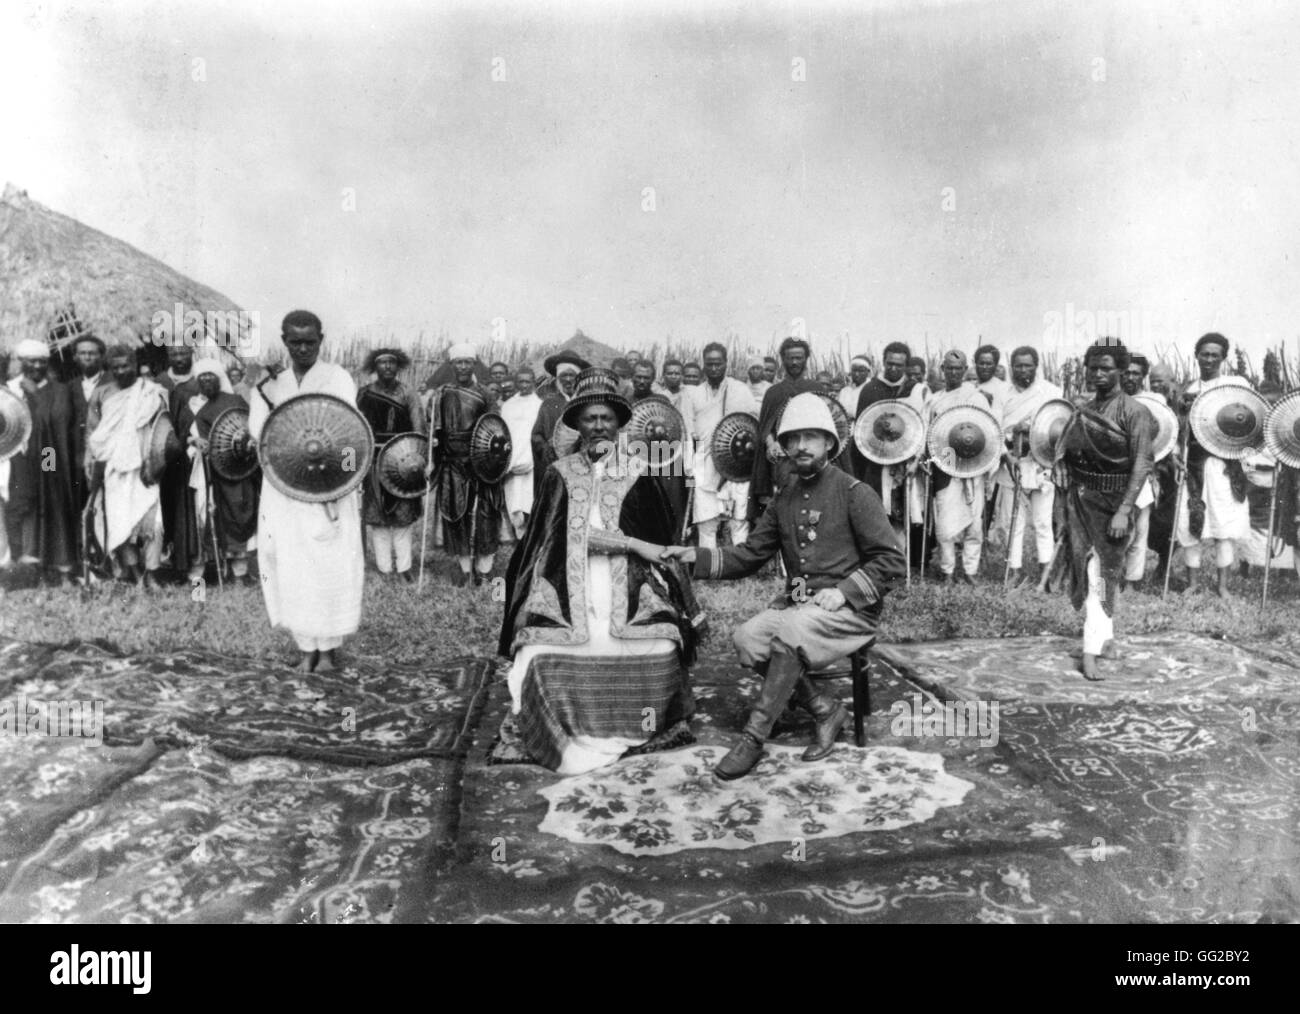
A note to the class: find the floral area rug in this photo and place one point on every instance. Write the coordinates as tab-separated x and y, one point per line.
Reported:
231	791
1165	794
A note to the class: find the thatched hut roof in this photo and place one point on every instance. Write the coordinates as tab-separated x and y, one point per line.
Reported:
51	264
596	353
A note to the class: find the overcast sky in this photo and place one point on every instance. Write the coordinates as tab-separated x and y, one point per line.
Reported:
956	169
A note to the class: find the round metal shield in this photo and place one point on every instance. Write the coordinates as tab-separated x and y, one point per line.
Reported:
164	447
316	448
889	432
1228	419
400	464
1282	430
1046	428
965	441
229	455
490	449
843	424
15	423
1166	437
656	433
734	445
564	439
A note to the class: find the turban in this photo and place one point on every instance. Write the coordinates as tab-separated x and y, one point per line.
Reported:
565	369
30	348
462	351
860	359
216	369
1162	371
755	361
955	358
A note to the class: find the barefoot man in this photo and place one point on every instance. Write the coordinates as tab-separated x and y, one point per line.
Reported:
1103	460
311	558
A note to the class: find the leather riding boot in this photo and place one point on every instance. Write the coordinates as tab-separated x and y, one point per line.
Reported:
830	714
783	673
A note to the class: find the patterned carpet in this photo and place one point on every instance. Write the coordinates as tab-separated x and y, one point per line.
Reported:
242	792
232	792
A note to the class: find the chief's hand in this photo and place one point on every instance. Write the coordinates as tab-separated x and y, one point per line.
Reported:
648	551
686	554
829	599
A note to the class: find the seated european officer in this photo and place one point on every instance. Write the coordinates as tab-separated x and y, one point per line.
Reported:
841	557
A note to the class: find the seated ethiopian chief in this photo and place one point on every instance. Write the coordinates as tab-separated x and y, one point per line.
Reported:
841	557
599	629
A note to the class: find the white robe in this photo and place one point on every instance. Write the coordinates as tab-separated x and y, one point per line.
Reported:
312	567
1226	517
520	413
708	407
960	504
1020	407
120	440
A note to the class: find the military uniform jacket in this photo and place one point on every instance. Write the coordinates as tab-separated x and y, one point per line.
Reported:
831	531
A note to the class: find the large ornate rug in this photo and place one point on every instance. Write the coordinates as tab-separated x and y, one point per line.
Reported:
230	791
227	791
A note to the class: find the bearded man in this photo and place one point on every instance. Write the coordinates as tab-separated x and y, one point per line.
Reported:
771	469
841	558
1027	394
119	421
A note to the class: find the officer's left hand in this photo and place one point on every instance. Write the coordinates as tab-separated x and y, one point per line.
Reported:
829	599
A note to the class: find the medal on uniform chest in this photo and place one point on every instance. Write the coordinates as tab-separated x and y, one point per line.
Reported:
812	534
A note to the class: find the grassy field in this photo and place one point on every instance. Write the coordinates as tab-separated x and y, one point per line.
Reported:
442	621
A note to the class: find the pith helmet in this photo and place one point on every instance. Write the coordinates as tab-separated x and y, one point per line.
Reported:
809	412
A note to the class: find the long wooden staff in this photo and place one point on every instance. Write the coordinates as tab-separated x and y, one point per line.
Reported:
434	407
1268	537
1015	513
925	524
907	526
1173	536
212	524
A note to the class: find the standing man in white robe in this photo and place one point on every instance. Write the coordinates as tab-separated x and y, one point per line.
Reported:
710	403
1027	394
958	503
310	554
1212	506
859	375
119	418
520	414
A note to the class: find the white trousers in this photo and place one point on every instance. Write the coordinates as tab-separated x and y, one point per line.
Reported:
972	548
307	643
1225	552
1135	559
387	543
1098	628
1036	508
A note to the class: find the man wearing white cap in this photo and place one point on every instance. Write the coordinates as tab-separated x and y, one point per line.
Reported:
758	382
42	509
841	558
470	511
710	403
859	374
564	367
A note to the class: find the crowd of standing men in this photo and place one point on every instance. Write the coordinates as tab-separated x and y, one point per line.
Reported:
94	480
